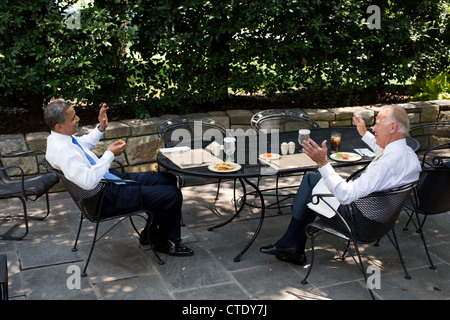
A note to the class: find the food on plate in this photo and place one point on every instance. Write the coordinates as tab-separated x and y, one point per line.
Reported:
267	155
224	166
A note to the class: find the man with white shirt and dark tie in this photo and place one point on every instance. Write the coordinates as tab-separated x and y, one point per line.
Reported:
396	164
73	156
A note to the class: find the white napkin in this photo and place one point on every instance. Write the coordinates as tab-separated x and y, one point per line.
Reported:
322	207
174	149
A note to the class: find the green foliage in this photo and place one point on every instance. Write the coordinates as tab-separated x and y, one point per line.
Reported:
436	88
168	55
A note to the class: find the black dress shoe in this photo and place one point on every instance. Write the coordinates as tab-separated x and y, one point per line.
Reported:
273	249
296	257
173	247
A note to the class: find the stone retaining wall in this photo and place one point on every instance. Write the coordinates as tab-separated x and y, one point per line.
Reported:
143	142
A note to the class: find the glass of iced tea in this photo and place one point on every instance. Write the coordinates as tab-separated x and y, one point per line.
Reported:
335	142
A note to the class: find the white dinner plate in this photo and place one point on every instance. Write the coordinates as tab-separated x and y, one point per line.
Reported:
236	168
269	156
345	156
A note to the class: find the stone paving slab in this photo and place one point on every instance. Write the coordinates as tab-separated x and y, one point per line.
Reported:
121	269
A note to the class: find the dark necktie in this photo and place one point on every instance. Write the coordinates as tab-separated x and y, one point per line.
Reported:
108	175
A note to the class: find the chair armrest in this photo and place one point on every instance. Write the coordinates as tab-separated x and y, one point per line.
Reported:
22	153
22	176
315	200
122	170
356	173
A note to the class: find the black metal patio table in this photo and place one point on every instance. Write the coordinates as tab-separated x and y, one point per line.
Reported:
252	167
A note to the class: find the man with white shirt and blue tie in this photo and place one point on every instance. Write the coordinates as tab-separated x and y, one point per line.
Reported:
396	164
73	156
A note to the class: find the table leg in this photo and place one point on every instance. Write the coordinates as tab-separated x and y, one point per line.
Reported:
238	211
261	220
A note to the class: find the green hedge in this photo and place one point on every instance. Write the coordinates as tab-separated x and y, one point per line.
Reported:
168	55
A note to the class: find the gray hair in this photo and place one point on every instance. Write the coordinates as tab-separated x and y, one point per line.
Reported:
55	112
398	115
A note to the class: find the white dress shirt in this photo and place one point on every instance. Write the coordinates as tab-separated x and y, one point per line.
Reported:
397	166
64	155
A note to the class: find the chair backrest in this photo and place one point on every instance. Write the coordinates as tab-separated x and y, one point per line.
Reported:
88	201
182	131
3	174
433	190
282	120
375	214
430	134
436	155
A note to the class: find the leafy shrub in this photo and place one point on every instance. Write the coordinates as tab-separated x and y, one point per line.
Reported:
165	56
436	88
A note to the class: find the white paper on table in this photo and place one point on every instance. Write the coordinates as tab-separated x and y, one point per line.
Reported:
321	207
365	152
174	149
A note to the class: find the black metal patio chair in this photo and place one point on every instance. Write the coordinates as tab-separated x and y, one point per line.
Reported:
282	120
371	217
24	188
90	204
431	196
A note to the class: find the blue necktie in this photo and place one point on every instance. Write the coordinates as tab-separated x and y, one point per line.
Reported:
108	175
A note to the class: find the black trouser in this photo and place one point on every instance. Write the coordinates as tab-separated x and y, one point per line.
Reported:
160	195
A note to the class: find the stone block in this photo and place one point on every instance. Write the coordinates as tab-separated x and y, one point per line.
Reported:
320	114
443	104
444	116
37	140
430	112
12	143
28	164
414	118
221	117
103	145
142	149
117	130
239	116
140	127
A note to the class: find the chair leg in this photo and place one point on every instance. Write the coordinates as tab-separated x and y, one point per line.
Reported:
84	274
160	261
304	281
395	243
74	249
277	195
8	234
345	251
422	236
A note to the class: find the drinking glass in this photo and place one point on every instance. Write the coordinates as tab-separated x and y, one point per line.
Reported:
303	134
229	148
335	142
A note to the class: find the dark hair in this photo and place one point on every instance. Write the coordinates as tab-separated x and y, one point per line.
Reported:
55	112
